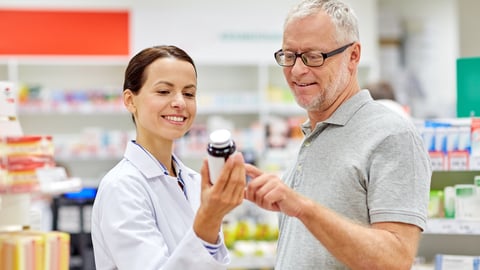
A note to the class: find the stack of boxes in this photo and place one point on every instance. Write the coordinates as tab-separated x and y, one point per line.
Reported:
21	157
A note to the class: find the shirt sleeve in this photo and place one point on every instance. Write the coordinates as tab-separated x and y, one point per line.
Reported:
217	250
212	248
400	172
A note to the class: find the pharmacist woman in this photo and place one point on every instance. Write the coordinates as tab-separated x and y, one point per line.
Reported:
152	211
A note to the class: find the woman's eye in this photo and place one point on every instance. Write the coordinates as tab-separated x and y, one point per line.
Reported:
191	95
163	92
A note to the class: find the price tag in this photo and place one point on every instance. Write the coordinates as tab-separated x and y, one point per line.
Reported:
438	160
458	160
474	162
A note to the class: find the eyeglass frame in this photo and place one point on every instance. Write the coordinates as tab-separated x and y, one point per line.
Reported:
324	55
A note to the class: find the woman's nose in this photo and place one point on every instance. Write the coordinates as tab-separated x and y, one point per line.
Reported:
178	101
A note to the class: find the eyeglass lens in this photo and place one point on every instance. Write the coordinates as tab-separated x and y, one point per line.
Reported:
311	59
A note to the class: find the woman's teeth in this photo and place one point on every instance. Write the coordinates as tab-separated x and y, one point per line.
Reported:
174	118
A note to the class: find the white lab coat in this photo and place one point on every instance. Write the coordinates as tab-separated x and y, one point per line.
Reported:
142	220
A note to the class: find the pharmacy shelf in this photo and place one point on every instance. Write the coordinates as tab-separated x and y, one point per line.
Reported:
441	179
453	226
451	244
70	94
450	236
87	110
252	262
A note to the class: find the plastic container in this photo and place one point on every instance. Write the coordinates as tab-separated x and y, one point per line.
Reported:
476	182
466	202
449	202
219	148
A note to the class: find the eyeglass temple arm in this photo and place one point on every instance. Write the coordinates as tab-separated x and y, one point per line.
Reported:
337	51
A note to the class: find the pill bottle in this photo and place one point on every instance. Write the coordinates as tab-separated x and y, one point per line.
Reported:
219	148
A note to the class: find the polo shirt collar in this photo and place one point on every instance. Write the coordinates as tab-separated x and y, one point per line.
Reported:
343	113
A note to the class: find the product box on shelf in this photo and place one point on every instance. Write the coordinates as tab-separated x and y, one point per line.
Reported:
475	144
20	158
453	144
456	201
34	250
37	98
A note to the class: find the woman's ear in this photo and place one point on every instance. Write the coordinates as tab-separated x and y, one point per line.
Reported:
128	100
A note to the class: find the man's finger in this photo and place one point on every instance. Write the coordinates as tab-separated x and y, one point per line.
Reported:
252	171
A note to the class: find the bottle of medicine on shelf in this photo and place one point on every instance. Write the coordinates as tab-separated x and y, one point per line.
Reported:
219	148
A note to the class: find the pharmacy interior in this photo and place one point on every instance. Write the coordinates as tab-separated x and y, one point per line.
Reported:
63	124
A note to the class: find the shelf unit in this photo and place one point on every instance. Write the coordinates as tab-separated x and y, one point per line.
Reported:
48	76
243	96
450	236
20	225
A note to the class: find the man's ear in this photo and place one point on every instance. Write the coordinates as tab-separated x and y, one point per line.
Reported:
128	100
356	52
355	56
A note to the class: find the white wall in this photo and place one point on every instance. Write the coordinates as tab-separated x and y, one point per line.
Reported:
215	30
431	47
212	31
469	21
233	31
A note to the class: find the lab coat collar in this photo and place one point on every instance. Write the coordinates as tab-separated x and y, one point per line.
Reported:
149	166
185	169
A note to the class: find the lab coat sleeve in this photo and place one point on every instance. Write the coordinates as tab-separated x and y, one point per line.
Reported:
191	254
126	236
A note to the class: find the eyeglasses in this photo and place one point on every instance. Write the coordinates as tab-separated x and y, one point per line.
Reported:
310	59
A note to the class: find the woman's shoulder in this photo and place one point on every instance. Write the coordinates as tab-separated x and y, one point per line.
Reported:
122	175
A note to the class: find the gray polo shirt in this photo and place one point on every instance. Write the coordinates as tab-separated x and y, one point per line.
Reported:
365	162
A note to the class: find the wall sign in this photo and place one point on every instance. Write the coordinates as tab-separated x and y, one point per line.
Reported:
64	32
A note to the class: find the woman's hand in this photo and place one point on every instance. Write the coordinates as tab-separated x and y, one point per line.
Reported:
219	199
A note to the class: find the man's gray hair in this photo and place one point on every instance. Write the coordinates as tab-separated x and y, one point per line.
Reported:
343	17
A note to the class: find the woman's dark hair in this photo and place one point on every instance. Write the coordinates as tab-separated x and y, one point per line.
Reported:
135	72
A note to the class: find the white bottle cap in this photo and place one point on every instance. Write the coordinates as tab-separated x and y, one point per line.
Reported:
220	137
